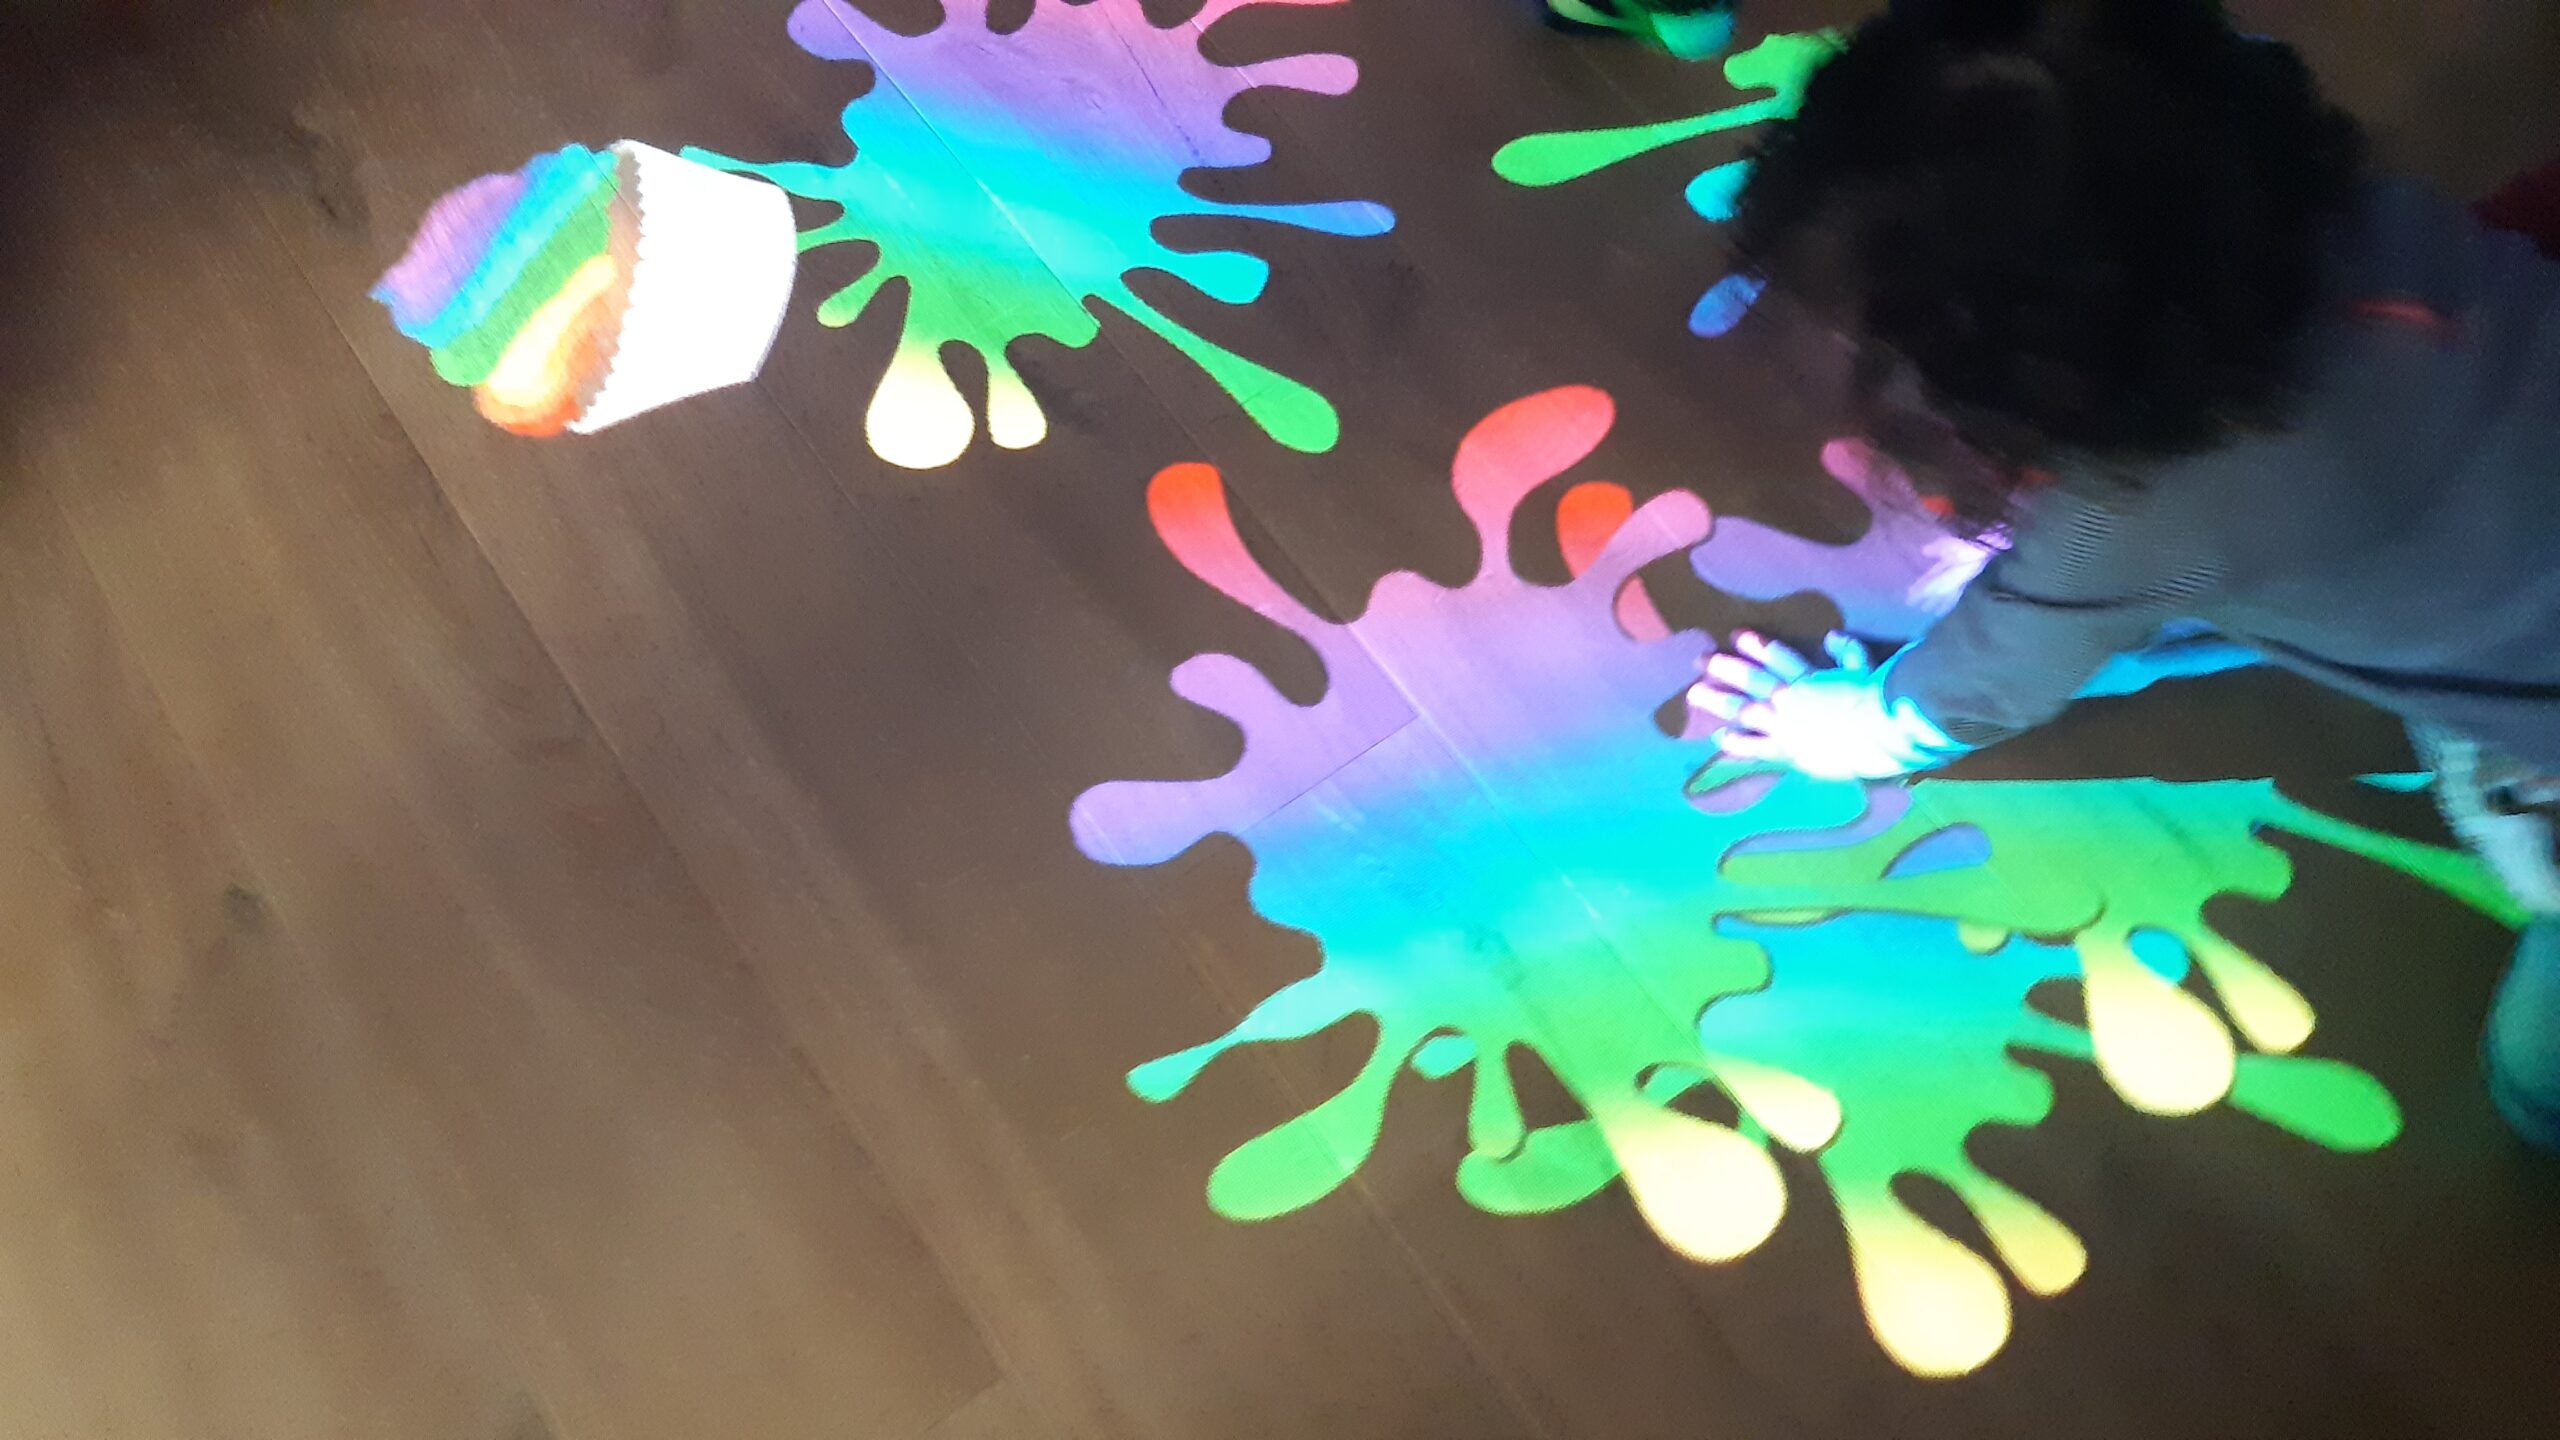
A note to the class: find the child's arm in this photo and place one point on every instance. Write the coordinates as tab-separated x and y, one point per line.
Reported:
2041	621
2028	635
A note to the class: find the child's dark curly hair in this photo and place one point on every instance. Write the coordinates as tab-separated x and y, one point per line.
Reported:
2088	228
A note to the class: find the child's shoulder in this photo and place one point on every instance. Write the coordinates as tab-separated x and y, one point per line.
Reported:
2408	241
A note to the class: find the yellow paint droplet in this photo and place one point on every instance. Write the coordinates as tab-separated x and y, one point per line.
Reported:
1802	1115
2161	1048
1709	1193
1014	420
918	419
2269	1012
1937	1308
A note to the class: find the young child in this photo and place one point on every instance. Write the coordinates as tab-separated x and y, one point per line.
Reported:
2120	286
1689	29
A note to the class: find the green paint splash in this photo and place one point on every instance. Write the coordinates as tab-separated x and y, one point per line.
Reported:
1783	65
1014	181
2106	861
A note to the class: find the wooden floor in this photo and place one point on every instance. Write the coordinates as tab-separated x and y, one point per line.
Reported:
506	939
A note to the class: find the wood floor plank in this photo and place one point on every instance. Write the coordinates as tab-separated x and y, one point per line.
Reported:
1001	1413
2457	92
214	1220
651	1184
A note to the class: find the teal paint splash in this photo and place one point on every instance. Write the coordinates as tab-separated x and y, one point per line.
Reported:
1781	65
1503	856
1014	181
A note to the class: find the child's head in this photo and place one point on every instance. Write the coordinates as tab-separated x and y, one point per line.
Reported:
2076	227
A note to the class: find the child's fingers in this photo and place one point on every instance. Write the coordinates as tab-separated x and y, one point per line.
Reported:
1847	651
1774	656
1748	677
1716	701
1744	745
1704	726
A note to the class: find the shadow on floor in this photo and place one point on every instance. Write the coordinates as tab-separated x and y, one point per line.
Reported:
231	74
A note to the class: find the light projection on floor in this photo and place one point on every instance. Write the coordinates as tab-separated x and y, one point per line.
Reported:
1013	180
587	287
1903	571
1505	858
1782	65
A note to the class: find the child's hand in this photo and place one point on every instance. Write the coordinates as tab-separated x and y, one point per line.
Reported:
1831	724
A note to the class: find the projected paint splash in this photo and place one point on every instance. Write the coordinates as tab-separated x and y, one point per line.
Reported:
1781	65
1010	180
1488	833
1901	573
